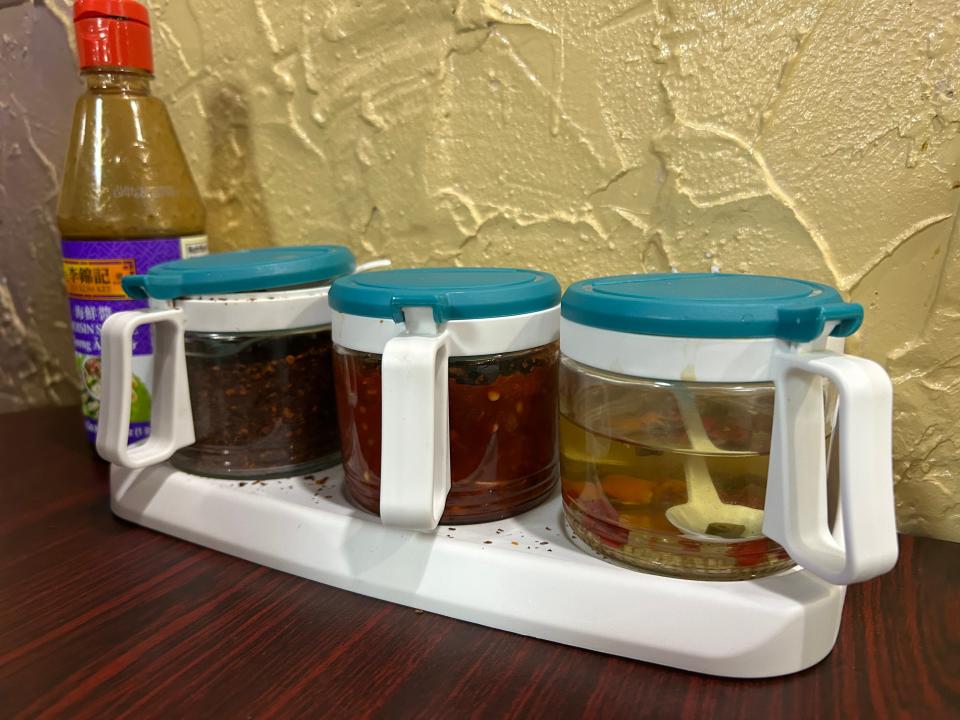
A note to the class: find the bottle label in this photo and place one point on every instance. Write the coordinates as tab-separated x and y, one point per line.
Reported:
92	271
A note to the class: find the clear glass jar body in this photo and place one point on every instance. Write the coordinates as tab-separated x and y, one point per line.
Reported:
263	404
503	431
628	461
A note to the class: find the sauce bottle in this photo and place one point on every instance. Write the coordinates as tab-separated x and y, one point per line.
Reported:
128	200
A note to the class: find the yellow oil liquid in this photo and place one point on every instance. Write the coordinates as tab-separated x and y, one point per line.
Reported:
617	493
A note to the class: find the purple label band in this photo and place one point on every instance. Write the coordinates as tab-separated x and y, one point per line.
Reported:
93	270
87	314
138	431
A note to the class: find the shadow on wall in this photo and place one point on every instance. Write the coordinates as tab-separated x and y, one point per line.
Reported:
237	215
36	351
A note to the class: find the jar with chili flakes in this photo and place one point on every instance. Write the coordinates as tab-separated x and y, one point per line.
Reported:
446	382
243	340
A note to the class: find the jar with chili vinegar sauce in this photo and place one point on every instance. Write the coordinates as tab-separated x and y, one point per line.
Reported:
446	384
695	415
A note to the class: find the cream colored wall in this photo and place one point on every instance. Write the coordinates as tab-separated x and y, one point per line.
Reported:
812	139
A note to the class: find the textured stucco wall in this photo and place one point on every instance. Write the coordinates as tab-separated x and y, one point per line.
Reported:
38	82
815	139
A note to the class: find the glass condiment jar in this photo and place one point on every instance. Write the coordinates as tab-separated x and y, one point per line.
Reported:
446	385
245	386
694	422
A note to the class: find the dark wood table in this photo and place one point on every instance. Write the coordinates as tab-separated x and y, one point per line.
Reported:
100	618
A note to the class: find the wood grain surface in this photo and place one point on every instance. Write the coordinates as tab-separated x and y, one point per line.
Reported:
100	619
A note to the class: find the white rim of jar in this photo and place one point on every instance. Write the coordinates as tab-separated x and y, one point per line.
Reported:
467	338
656	357
265	311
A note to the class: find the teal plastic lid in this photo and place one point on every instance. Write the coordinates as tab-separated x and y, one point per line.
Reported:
453	293
242	271
711	305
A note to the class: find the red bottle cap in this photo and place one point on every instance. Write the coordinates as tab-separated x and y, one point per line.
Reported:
113	33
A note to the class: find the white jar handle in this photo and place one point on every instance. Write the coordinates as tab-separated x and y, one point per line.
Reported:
415	441
795	512
171	419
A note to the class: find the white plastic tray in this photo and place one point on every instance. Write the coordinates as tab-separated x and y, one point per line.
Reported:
523	574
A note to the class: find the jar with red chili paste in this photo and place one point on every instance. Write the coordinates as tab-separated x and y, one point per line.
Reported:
243	345
446	384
